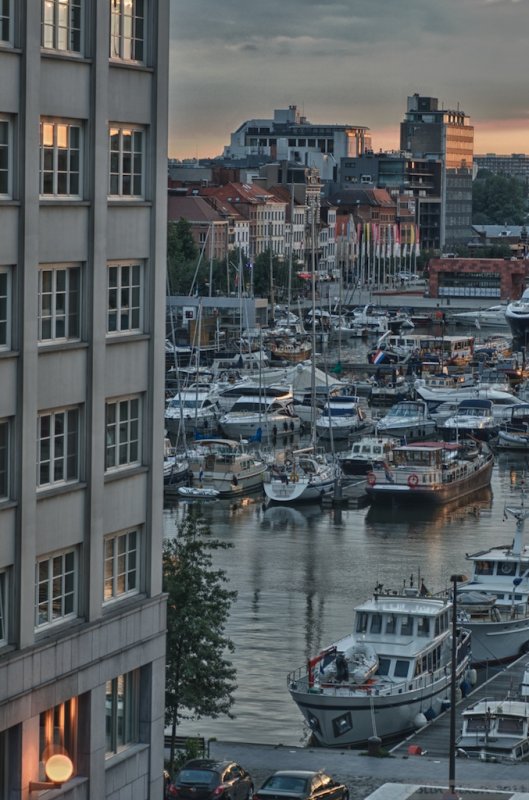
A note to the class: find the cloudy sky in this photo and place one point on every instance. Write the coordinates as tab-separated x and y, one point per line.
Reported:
347	61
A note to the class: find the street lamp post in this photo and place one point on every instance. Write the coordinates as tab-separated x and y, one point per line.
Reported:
451	794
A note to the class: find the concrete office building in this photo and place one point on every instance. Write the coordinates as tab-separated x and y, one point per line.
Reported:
83	175
429	131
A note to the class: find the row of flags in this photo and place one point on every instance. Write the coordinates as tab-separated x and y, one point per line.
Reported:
383	240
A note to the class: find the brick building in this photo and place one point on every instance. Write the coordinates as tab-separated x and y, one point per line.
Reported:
492	278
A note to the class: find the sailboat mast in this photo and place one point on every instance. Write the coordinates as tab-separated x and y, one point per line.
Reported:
290	254
313	365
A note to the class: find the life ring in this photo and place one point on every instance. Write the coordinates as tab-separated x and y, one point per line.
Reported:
371	478
413	480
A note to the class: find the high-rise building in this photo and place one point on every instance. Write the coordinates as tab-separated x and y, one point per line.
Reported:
428	131
83	175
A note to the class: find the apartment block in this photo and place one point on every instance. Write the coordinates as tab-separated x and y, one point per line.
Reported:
83	174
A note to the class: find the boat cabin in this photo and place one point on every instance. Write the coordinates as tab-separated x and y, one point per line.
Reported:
496	728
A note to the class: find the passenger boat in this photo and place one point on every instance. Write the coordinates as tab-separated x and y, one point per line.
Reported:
517	316
496	730
474	418
224	465
408	418
388	676
500	630
366	452
431	472
303	475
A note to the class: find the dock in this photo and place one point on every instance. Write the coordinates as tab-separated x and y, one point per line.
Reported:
352	495
434	738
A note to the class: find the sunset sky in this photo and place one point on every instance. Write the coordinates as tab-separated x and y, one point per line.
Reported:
347	61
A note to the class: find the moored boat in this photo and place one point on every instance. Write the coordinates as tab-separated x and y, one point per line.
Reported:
366	452
496	729
303	475
198	493
408	418
385	678
224	465
474	418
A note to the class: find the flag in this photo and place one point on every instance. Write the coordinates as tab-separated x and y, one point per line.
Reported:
396	241
378	357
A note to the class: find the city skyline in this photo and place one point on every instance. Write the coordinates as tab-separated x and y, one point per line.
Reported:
346	61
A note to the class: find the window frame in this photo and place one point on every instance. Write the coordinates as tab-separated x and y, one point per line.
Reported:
58	729
56	28
115	443
7	147
66	594
57	438
129	570
57	154
71	318
124	45
4	610
118	174
7	321
115	741
6	19
118	310
5	453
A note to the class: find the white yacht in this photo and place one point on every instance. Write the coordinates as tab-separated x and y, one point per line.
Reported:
497	729
408	418
340	417
303	475
517	316
252	416
192	411
491	317
473	419
224	465
386	677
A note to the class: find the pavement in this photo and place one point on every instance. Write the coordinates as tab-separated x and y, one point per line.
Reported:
363	774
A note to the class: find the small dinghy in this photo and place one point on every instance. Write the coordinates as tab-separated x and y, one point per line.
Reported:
197	493
476	602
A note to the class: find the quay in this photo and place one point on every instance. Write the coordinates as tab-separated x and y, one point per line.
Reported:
400	776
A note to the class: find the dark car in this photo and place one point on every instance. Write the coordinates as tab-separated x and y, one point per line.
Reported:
301	785
207	779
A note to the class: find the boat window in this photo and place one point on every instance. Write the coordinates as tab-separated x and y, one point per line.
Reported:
376	623
475	724
423	628
383	666
406	626
356	448
342	724
391	623
437	626
377	449
510	725
484	567
401	668
361	622
507	568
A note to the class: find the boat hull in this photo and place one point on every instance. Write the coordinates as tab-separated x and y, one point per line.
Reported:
280	492
498	642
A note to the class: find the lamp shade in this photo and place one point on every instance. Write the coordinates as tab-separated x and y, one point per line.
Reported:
59	768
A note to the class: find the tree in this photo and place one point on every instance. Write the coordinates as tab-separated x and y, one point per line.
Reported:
200	679
182	255
498	200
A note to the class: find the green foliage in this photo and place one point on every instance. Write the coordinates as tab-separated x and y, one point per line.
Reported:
182	255
261	277
200	679
498	200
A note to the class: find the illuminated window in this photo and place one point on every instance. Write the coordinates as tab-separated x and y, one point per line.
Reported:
60	159
121	711
121	565
58	447
61	25
127	30
58	733
124	300
122	433
126	162
59	303
56	588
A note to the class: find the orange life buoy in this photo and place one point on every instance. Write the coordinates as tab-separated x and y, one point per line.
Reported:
371	478
413	480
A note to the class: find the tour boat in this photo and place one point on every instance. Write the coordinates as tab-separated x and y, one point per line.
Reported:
224	465
387	677
431	472
303	475
408	418
366	452
500	630
496	730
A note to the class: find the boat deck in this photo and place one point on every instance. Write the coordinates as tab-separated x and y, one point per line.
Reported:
435	737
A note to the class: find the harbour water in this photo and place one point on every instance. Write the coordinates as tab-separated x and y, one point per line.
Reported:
300	571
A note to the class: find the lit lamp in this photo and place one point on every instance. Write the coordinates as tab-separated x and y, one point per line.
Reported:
451	794
59	769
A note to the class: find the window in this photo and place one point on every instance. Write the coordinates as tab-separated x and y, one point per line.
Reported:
5	308
60	161
4	462
121	565
124	298
59	306
401	668
56	588
5	21
126	162
122	433
342	724
3	609
58	732
5	154
127	30
121	711
61	25
58	447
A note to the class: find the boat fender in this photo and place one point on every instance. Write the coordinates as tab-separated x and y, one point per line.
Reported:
413	480
465	688
371	478
419	720
495	614
472	677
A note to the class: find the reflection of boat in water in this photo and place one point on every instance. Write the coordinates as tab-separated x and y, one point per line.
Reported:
394	667
435	516
283	515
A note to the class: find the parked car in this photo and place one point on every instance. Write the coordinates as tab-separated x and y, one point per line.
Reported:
208	779
301	785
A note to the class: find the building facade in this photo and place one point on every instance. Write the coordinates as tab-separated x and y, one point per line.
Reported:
516	165
83	174
487	278
428	131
